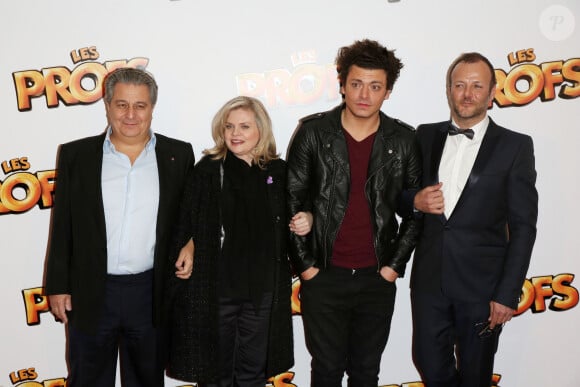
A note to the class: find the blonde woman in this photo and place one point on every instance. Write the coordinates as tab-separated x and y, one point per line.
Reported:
232	319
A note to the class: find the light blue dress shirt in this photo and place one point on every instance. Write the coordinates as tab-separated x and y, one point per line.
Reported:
131	201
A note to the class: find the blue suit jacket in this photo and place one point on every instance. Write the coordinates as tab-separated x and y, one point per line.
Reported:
482	252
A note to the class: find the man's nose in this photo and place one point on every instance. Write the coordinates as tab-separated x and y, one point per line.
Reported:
365	91
468	92
131	111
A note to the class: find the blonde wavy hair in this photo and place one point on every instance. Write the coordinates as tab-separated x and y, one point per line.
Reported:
265	150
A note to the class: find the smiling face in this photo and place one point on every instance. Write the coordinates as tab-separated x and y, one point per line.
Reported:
241	134
469	93
364	92
130	113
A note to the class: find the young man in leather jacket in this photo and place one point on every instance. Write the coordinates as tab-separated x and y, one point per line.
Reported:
348	166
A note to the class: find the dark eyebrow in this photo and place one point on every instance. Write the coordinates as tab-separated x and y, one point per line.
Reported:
371	82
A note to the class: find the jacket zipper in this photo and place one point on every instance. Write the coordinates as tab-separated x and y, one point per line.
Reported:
373	217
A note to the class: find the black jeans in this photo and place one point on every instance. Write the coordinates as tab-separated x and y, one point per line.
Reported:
243	342
347	318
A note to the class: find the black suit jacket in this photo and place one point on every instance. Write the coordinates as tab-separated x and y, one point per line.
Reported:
77	253
482	252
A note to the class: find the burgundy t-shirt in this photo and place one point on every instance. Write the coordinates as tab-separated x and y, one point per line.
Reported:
353	248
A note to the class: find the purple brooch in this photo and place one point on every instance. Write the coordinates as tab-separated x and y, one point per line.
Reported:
269	180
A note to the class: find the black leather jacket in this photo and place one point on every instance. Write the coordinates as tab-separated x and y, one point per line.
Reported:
319	181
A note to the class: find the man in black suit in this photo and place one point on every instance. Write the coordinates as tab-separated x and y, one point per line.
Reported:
116	200
480	205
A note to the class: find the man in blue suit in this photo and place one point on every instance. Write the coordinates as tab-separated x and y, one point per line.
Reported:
116	200
480	208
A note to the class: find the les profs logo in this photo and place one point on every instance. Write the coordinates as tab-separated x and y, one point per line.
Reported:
25	378
527	81
22	190
306	83
81	85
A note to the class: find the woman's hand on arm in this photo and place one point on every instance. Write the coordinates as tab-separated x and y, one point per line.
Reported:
301	223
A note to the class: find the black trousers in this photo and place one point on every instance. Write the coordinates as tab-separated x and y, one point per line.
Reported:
347	317
243	342
126	327
450	346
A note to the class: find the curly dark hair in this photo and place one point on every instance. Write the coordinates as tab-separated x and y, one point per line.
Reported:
368	54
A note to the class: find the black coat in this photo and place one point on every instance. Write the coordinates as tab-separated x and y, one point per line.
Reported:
193	318
77	254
